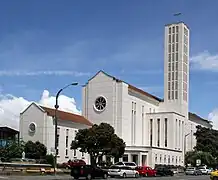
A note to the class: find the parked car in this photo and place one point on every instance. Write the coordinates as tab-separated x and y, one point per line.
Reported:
88	171
164	171
75	162
193	171
123	171
133	165
204	170
175	170
146	171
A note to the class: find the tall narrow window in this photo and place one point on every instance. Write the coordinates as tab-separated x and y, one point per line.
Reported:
176	131
143	124
67	135
158	132
165	133
66	152
179	134
133	121
151	131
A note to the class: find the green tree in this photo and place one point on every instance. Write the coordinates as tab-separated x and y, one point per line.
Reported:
205	157
50	159
99	140
12	150
207	140
35	150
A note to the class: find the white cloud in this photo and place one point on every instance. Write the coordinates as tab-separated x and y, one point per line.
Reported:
40	73
205	61
11	106
213	116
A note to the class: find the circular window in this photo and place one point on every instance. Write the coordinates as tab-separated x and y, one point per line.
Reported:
100	103
32	127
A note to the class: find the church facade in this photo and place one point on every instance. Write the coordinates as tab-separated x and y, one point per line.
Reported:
154	129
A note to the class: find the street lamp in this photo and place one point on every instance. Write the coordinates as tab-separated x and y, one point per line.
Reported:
56	122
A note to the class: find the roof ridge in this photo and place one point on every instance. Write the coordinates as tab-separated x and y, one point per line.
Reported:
130	85
64	115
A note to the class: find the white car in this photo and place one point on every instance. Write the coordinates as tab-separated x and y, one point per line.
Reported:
133	165
205	170
124	171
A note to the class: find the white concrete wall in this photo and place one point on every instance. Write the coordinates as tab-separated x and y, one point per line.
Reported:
190	138
37	116
175	140
141	128
101	85
45	133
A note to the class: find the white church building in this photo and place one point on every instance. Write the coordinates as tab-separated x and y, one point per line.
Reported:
156	131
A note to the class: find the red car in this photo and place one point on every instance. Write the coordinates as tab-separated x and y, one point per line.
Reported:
75	162
146	171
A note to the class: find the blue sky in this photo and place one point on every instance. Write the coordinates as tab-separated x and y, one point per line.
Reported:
72	40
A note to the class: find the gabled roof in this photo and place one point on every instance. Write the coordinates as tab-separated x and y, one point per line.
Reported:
193	116
129	86
32	104
8	129
67	116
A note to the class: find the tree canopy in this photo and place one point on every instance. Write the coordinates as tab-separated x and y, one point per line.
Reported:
207	140
35	150
206	147
99	140
11	150
32	150
205	157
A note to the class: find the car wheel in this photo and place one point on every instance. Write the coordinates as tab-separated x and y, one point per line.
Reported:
89	177
75	177
105	176
155	174
215	178
136	175
124	175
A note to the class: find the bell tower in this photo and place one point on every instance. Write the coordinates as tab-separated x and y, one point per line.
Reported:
176	67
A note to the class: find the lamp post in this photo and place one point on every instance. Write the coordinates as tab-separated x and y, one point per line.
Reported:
56	122
185	144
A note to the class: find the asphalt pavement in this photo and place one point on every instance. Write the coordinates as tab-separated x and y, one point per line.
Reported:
69	178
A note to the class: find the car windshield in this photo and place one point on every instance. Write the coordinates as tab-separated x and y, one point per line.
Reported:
129	164
114	167
190	168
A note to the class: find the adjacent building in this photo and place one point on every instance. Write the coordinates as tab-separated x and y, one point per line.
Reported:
194	120
8	135
37	124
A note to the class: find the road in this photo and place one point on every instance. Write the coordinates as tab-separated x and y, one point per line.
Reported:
69	178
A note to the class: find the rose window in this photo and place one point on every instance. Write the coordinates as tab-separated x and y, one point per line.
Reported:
100	103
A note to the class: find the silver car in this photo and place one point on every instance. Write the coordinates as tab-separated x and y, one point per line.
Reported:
125	171
193	171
